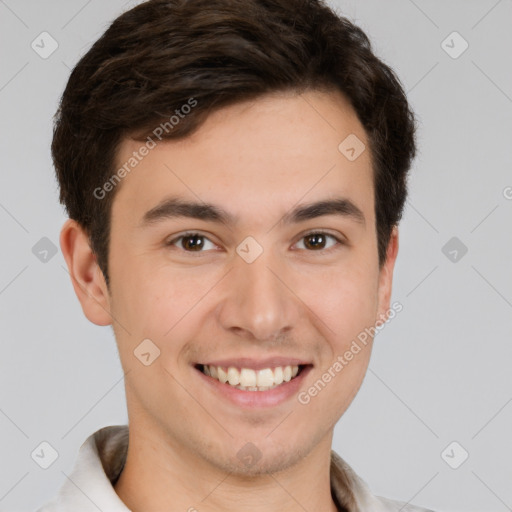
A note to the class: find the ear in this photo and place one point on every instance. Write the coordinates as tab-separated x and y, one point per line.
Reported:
386	276
86	276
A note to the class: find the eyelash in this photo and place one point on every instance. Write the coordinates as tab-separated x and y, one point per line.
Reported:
324	233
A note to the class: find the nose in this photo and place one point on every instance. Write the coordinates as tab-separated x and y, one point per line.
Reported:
259	302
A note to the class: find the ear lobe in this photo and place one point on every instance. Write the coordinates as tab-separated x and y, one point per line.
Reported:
386	275
86	276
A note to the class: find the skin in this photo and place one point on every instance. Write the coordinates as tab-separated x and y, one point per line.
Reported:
257	160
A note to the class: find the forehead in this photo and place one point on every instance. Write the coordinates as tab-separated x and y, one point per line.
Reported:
255	156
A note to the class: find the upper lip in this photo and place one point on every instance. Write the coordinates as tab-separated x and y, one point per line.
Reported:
257	364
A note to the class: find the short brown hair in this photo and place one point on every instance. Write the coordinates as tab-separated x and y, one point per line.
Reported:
160	54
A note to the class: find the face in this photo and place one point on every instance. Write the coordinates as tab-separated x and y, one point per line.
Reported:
250	277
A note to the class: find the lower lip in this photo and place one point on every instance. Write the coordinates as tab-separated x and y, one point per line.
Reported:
257	399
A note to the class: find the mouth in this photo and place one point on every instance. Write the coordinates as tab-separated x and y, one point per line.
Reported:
261	379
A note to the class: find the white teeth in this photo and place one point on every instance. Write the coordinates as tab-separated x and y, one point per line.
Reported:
233	376
248	379
278	375
221	375
265	377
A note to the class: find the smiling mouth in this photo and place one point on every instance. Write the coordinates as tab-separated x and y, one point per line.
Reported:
247	379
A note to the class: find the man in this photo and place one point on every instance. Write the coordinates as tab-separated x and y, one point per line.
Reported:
234	172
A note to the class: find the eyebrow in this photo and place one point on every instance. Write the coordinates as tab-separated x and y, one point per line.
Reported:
174	207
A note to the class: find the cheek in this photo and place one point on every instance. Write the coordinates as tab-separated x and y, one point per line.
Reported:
347	304
158	307
139	294
346	300
154	304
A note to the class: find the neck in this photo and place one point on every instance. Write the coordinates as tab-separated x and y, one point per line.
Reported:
161	475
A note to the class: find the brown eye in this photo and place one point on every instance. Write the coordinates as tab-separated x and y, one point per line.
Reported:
190	242
193	242
317	241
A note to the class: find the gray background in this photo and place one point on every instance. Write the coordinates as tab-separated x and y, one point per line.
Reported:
440	371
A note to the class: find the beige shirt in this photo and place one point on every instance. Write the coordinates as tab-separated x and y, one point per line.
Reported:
90	486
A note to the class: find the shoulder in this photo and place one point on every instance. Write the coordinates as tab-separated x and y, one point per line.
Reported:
399	506
353	492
